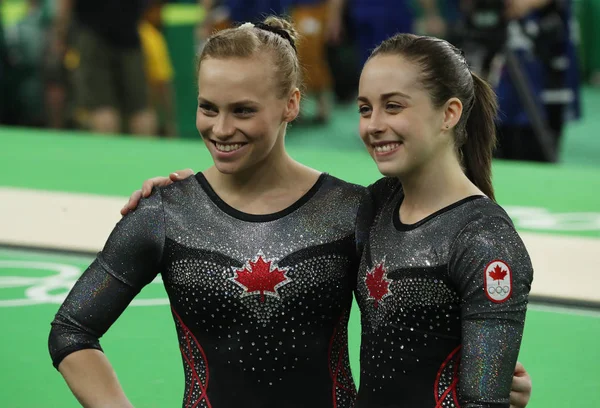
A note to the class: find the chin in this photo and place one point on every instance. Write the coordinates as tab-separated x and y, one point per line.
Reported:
228	168
389	169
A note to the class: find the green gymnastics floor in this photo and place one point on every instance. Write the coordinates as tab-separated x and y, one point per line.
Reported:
557	202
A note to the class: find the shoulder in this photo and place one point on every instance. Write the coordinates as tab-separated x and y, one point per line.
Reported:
488	253
332	184
485	215
385	186
383	190
175	191
488	232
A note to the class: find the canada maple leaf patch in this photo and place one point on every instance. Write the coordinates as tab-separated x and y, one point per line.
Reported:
498	274
378	285
260	276
498	281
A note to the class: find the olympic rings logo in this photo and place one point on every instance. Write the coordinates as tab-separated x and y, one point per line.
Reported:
500	290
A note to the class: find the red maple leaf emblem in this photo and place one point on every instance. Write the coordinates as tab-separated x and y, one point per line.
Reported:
377	283
498	273
260	276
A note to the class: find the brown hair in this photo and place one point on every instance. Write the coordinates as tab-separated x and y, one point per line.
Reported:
445	74
277	37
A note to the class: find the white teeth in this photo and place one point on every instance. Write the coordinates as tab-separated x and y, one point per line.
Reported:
228	147
386	147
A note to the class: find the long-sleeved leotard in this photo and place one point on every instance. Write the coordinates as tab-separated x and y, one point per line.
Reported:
260	302
443	305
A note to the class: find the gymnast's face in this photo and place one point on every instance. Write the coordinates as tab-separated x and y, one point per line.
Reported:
240	116
399	125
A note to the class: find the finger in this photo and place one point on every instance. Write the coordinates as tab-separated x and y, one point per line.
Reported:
181	174
518	400
132	203
149	184
147	187
521	384
520	370
187	172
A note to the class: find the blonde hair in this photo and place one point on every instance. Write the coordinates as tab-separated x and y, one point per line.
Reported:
249	40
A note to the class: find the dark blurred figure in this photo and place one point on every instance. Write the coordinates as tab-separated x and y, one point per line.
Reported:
343	59
364	24
222	14
3	70
22	54
538	88
110	80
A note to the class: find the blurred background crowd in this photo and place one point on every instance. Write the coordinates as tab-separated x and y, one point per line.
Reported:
127	66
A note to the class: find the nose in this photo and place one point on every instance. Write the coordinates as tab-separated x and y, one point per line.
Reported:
376	124
223	127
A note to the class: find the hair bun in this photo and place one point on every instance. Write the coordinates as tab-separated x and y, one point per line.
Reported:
281	27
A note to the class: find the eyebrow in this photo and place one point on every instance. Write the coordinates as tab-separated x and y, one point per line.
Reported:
385	96
236	103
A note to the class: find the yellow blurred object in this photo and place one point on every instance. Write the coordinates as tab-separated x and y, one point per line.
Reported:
72	59
156	54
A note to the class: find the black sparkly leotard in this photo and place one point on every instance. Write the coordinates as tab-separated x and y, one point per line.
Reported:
443	305
260	302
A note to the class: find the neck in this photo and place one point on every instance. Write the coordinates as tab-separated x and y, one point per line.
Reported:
268	187
435	185
272	173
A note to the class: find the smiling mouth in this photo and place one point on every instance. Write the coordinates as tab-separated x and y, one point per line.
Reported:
386	147
228	147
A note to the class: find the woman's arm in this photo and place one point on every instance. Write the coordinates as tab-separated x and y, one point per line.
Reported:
92	380
493	274
130	260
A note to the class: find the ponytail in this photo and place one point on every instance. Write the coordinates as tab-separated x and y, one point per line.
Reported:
481	137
